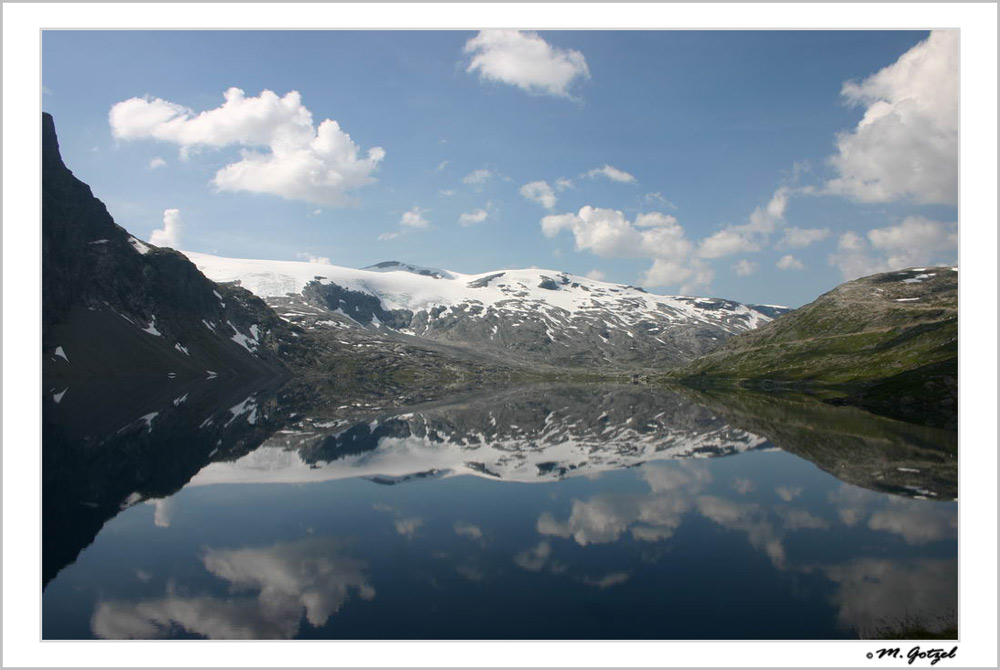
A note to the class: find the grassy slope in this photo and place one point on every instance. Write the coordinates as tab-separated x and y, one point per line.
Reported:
879	342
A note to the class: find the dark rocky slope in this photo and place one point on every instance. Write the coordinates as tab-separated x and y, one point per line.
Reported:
887	343
112	305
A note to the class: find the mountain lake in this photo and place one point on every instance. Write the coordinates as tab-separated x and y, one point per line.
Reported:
224	510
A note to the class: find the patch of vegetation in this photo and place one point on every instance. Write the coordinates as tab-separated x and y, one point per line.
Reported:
887	343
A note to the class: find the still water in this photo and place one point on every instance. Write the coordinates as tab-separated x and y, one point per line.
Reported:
541	512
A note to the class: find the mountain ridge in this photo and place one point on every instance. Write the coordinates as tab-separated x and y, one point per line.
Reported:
522	316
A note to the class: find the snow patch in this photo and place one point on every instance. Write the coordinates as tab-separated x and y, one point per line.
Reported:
181	348
151	328
178	401
59	396
138	246
61	354
148	419
104	241
248	406
239	338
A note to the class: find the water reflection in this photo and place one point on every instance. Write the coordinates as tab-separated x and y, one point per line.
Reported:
311	577
270	513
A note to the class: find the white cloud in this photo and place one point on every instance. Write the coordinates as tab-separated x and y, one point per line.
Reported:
750	236
789	262
156	162
915	241
309	258
788	493
596	275
473	217
726	243
651	198
796	238
540	192
653	235
745	268
164	508
534	559
310	579
478	177
408	527
525	60
563	183
906	145
471	531
318	165
170	234
609	580
446	193
441	166
384	237
612	173
414	218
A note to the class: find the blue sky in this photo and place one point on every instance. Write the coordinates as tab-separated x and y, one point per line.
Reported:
725	163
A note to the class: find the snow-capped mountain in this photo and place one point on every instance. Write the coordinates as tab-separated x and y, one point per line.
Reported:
526	316
533	434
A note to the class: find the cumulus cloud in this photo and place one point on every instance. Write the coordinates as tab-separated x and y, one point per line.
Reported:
597	275
408	527
788	493
906	145
156	162
653	235
608	580
745	268
647	517
525	60
414	218
385	237
471	531
441	166
540	192
612	173
473	217
309	258
311	577
794	237
301	162
534	559
915	241
164	508
478	177
726	243
750	236
789	262
170	234
563	183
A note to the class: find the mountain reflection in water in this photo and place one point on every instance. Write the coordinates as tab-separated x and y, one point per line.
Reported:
651	513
